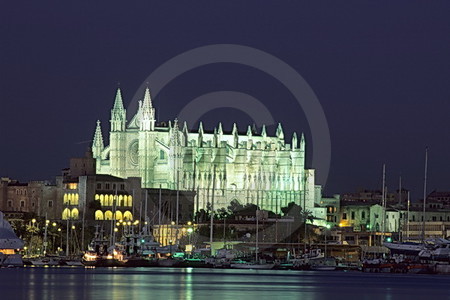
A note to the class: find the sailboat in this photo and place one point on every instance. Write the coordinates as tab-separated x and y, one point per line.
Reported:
413	248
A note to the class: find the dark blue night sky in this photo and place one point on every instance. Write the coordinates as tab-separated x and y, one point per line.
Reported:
380	69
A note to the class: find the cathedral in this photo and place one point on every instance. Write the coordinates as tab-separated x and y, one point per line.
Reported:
218	166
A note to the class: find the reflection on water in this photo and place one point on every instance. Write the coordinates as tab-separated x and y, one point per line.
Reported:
143	283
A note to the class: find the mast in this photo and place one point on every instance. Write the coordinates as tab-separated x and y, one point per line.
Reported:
159	210
257	219
212	206
383	202
424	194
407	218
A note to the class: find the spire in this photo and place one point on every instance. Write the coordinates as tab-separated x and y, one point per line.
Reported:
220	130
294	140
175	137
118	113
249	131
279	132
215	138
302	142
148	113
118	103
147	99
236	135
234	131
97	145
185	133
263	131
200	135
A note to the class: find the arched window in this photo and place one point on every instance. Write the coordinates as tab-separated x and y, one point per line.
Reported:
75	199
75	214
111	200
118	215
66	214
99	215
130	200
102	200
127	216
121	202
108	215
65	199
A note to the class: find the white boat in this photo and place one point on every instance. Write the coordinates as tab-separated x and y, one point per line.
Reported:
439	251
406	248
9	244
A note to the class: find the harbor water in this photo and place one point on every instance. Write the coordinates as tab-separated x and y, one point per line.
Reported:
176	283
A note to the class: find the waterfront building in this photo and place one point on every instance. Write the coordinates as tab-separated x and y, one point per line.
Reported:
38	198
249	167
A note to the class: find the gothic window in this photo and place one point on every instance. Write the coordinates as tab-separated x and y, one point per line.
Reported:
162	155
50	203
122	186
107	186
22	203
99	215
353	215
9	203
363	215
99	186
344	216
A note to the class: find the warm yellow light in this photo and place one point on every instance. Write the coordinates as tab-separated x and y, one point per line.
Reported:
189	223
34	220
54	224
73	226
47	222
129	223
173	223
116	229
59	229
117	224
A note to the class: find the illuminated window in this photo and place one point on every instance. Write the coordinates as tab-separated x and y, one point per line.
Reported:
65	199
118	215
74	214
66	214
108	215
72	186
99	215
130	201
128	216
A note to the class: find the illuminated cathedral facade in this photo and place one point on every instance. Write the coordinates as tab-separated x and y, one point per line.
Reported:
219	167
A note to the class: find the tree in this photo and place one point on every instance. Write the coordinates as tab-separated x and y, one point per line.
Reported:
292	210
